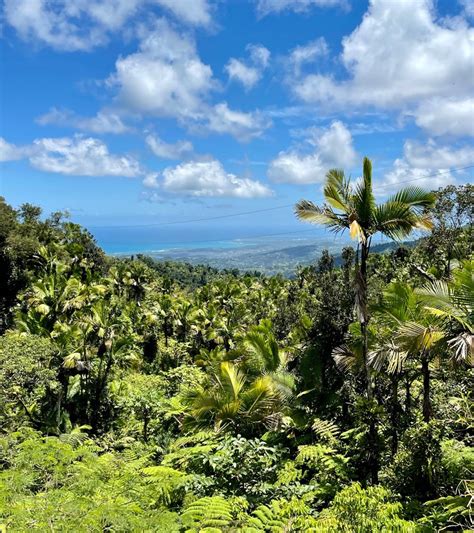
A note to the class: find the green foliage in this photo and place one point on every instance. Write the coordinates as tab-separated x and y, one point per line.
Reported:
51	485
152	396
140	399
281	516
326	430
451	512
416	469
244	396
28	384
457	461
233	465
209	514
356	509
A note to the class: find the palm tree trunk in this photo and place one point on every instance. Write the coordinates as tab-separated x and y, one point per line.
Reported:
363	315
146	420
373	454
394	415
165	327
425	370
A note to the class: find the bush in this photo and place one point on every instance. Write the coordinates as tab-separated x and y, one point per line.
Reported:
28	384
457	462
51	485
237	466
416	469
355	509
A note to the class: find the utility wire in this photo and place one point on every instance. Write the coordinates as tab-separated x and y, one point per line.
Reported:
434	175
197	219
174	222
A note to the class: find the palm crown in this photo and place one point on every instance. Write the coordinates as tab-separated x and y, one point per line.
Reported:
352	206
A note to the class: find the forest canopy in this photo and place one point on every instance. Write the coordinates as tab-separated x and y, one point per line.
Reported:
137	395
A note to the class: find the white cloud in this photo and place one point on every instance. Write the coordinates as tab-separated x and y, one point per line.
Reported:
243	126
427	165
332	148
196	12
103	122
259	54
165	77
79	156
405	175
468	7
265	7
85	24
151	180
177	150
249	75
447	116
396	58
238	70
307	53
11	152
433	156
209	178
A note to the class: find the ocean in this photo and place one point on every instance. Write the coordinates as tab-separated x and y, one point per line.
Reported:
154	240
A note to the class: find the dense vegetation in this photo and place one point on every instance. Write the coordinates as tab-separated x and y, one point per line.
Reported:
137	396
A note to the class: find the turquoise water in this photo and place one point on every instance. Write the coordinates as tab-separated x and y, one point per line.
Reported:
152	240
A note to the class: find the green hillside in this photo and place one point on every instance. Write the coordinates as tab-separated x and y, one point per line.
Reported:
138	395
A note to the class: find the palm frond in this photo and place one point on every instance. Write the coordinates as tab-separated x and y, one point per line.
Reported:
309	212
364	201
414	197
284	383
450	301
424	222
394	220
263	350
346	358
390	354
463	346
418	337
356	231
232	379
337	190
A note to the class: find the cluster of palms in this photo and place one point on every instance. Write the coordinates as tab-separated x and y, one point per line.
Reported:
102	326
92	323
407	324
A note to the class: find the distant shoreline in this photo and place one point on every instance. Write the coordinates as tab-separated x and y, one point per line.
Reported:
269	257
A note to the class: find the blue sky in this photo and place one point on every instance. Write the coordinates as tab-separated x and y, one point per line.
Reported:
142	111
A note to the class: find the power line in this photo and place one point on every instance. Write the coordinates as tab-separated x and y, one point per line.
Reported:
170	223
230	215
436	174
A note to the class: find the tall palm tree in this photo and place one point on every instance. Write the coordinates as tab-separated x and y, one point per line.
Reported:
414	334
353	207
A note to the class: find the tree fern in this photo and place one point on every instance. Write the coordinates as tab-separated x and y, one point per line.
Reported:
167	481
183	456
326	430
282	516
211	513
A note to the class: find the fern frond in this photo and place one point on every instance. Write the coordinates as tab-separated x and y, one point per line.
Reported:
208	512
326	429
